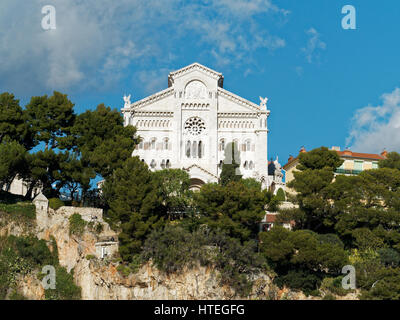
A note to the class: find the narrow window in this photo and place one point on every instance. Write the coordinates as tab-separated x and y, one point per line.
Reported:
248	145
251	165
200	152
222	145
166	144
194	149
188	146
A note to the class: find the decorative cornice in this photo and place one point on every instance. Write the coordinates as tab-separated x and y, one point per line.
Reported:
152	113
151	99
235	98
240	115
196	66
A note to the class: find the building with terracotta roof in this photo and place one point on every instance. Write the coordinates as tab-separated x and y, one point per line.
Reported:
354	163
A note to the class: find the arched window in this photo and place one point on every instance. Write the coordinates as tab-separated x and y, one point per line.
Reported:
194	149
245	165
222	145
153	144
188	146
141	145
163	164
220	164
200	152
168	164
251	165
153	164
166	144
248	145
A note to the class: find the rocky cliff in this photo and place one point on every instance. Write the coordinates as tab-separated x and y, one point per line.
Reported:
99	279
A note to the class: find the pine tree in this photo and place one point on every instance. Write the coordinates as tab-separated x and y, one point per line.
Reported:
229	171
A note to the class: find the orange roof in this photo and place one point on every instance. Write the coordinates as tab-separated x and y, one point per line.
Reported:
350	154
291	160
271	218
347	154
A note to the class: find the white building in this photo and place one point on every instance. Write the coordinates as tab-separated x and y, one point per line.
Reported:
191	124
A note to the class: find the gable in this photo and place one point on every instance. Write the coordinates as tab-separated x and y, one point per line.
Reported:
230	102
193	68
160	101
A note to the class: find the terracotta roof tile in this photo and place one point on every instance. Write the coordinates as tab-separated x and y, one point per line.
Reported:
347	154
350	154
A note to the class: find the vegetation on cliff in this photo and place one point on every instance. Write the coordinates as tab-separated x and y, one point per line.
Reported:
26	256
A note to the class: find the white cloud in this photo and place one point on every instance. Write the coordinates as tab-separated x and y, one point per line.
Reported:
154	80
97	41
314	45
376	128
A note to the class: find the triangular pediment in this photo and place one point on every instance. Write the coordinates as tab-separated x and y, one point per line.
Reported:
237	103
196	67
151	100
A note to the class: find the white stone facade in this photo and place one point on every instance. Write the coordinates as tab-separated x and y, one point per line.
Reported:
190	124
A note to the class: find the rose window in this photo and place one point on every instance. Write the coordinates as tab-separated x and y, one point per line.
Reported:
194	126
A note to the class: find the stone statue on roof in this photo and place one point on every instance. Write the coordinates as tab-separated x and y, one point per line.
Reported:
263	103
127	100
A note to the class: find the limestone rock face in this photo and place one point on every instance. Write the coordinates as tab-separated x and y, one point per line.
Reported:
31	287
103	282
100	279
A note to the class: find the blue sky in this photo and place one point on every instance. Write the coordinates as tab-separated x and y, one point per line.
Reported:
326	85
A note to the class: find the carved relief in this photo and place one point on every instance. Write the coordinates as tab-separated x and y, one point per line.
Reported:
195	90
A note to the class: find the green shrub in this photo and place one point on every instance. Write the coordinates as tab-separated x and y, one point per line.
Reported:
124	270
299	279
90	257
76	224
16	296
280	195
389	257
33	250
330	238
66	289
95	227
20	209
55	203
175	248
334	286
99	228
329	297
20	256
385	287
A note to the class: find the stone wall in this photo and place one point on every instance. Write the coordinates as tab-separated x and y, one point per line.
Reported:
88	214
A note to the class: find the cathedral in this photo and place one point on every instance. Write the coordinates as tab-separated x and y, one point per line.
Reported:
193	124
